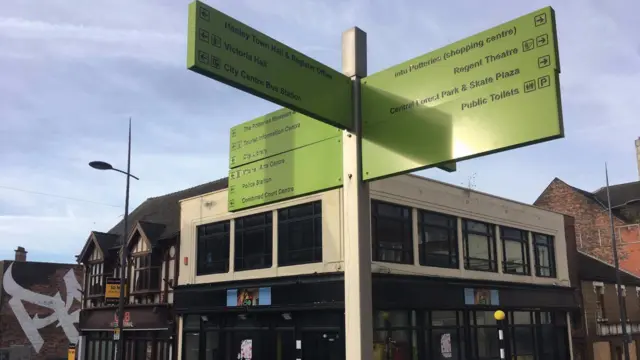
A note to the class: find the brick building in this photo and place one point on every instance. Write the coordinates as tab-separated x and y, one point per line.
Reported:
39	308
590	211
596	332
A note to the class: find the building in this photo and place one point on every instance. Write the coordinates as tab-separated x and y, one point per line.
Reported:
267	283
39	308
153	244
593	227
597	332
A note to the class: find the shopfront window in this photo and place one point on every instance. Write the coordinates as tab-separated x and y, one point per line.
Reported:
300	234
522	335
479	246
444	335
213	248
515	251
484	330
392	234
254	241
545	255
395	335
438	239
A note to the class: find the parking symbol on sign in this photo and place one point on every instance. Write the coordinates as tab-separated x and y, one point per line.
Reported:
544	81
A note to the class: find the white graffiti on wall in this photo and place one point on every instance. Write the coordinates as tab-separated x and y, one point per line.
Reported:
32	325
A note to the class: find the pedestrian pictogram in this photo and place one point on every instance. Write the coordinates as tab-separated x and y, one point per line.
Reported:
544	61
203	57
215	62
542	40
540	19
204	14
528	45
203	35
216	41
544	81
529	86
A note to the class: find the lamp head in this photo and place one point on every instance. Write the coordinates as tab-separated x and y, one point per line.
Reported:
100	165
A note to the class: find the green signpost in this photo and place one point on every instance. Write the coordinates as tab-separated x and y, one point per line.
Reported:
275	133
303	171
229	51
490	92
493	91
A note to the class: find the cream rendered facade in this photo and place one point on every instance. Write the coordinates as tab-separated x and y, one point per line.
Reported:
409	190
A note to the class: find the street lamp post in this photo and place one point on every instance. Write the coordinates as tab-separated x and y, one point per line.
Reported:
101	165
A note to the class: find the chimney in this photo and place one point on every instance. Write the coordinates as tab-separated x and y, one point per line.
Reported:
21	254
638	155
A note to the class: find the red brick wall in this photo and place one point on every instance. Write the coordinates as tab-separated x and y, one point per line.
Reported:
593	230
41	283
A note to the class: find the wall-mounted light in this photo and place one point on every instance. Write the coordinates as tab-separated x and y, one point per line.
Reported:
242	316
204	318
286	316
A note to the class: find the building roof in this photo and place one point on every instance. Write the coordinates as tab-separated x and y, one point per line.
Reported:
159	217
621	194
594	269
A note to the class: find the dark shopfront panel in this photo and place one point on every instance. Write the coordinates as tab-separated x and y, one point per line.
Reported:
148	334
452	321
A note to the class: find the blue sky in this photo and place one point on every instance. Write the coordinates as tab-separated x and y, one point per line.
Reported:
72	74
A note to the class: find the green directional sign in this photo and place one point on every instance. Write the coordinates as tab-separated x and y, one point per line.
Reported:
309	169
491	92
275	133
229	51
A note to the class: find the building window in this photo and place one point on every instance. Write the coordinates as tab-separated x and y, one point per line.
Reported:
484	335
392	234
96	279
479	246
254	241
213	248
515	251
445	335
146	274
300	234
600	308
438	239
545	255
522	332
395	335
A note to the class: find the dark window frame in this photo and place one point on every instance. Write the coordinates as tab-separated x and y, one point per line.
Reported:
523	240
287	220
427	259
96	289
265	259
207	234
146	273
406	222
491	245
549	244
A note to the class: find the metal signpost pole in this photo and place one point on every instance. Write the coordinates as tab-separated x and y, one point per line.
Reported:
357	244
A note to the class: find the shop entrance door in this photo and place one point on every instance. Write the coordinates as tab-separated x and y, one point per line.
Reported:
322	345
260	345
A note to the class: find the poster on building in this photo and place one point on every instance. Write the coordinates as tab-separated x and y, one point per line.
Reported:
474	296
249	297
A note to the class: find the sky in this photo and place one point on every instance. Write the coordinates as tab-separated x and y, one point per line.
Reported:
71	75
